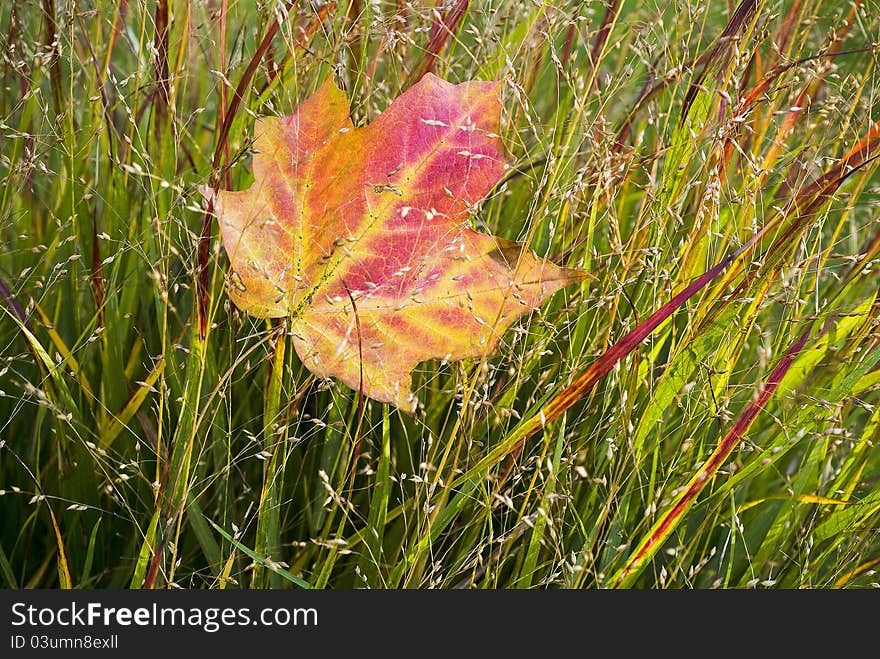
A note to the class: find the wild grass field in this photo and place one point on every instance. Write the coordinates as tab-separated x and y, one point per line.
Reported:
703	413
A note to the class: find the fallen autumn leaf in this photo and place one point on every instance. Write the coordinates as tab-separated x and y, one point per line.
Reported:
360	236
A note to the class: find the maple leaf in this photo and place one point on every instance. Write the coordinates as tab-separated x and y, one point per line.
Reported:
361	237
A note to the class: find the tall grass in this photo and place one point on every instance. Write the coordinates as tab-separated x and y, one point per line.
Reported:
704	413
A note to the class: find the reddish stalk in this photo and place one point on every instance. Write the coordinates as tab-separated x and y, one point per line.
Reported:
441	30
666	524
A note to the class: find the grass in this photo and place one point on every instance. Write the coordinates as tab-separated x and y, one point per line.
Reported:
704	413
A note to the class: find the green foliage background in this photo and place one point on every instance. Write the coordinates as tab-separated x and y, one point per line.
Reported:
141	446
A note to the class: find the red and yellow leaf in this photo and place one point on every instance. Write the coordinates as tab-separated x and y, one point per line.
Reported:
361	237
